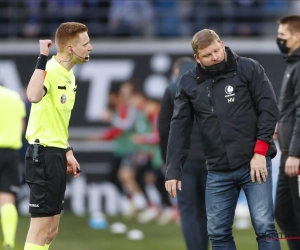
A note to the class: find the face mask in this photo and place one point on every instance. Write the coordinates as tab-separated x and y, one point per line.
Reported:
282	45
216	68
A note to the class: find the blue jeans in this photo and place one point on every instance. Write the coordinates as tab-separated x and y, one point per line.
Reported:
222	192
191	202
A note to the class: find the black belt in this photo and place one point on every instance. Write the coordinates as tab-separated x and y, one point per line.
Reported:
47	148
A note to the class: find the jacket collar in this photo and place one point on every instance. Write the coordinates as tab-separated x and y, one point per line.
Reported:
294	57
203	75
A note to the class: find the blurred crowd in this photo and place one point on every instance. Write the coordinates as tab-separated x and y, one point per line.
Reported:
142	18
138	167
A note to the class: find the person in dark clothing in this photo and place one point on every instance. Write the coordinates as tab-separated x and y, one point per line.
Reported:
234	105
287	205
191	199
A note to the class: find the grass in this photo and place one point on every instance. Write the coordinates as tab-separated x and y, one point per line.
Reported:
75	234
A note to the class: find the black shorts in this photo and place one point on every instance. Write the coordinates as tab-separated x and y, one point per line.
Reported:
9	171
47	180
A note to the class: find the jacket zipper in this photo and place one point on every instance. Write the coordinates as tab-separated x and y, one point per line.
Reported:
210	99
209	93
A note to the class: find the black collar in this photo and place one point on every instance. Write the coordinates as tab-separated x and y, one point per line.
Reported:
294	57
203	75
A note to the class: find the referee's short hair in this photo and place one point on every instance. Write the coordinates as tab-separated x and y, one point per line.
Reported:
67	32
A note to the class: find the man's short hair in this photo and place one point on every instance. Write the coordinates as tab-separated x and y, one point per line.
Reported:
203	38
66	32
293	22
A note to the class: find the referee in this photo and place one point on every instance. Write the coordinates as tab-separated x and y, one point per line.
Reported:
12	114
49	157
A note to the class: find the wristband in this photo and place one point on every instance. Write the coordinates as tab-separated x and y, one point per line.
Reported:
41	62
261	147
69	148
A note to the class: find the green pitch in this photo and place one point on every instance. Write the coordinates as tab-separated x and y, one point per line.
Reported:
75	234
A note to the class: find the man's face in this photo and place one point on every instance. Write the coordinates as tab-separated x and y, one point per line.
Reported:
82	48
213	54
292	40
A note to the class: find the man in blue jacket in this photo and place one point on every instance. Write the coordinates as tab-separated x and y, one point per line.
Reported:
235	107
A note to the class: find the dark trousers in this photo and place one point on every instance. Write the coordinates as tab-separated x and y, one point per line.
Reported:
191	202
287	205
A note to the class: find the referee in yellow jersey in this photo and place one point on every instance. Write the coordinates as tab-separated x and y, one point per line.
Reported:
49	157
12	115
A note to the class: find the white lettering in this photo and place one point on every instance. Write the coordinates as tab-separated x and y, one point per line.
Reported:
100	73
87	197
230	99
34	205
230	95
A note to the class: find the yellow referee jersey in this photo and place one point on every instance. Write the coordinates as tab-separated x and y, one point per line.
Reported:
49	119
12	112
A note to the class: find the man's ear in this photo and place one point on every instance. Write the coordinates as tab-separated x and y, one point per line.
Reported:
70	49
223	45
197	58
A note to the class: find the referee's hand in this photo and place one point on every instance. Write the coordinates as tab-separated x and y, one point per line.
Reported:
73	166
44	46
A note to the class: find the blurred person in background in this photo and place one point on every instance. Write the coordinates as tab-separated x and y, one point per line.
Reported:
23	149
234	105
60	11
122	116
49	157
149	165
191	199
137	157
167	18
244	23
141	161
42	17
4	18
287	205
96	16
131	18
12	125
32	26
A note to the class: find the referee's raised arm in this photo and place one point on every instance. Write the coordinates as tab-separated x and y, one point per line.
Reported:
35	89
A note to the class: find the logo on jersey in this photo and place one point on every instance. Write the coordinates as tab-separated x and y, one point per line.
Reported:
229	94
228	90
63	99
